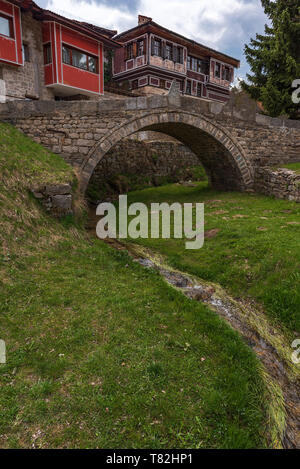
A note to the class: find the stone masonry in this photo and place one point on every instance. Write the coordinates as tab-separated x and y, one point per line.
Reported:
231	141
56	198
28	81
151	161
280	183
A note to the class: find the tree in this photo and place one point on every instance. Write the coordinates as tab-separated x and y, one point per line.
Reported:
274	59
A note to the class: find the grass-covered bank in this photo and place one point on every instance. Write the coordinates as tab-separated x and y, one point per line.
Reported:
252	246
101	353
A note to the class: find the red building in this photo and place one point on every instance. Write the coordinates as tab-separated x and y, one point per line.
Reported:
46	56
153	56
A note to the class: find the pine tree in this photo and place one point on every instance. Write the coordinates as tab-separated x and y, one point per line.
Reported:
274	59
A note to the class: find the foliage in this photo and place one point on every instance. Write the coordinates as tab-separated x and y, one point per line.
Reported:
274	59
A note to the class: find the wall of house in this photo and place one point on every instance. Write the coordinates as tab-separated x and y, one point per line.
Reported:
27	81
67	76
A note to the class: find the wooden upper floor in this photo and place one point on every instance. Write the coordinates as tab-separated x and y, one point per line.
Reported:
154	46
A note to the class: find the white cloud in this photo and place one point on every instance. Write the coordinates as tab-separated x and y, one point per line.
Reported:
213	22
95	13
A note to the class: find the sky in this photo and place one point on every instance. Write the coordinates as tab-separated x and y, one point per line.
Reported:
225	25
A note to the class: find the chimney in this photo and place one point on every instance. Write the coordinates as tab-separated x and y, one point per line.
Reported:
144	19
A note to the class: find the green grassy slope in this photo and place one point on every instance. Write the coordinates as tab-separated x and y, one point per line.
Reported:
255	253
101	353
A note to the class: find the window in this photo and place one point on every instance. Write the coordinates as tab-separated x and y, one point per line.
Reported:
199	89
47	54
162	84
204	67
66	55
25	53
140	48
134	85
217	70
130	51
157	47
169	51
179	53
188	87
79	59
92	64
197	65
226	73
6	26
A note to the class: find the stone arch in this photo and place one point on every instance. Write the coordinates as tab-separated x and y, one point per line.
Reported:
221	155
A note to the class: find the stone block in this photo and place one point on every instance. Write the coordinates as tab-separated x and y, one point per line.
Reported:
62	203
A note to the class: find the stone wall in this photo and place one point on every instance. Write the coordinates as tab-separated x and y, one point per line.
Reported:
56	198
133	164
28	81
280	183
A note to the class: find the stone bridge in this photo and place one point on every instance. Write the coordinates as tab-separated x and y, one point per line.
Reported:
231	141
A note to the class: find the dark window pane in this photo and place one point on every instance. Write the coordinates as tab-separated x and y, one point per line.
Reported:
129	51
66	55
169	52
180	55
93	64
25	53
226	74
140	48
157	47
79	59
47	54
218	70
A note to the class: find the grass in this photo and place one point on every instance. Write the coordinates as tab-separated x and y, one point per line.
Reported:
102	353
255	253
124	183
292	166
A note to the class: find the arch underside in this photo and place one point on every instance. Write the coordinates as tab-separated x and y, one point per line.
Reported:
226	166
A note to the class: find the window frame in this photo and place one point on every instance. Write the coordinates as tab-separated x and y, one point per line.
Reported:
25	52
219	66
180	55
157	45
129	49
10	26
188	88
47	57
169	51
88	56
135	84
140	48
199	89
226	70
196	64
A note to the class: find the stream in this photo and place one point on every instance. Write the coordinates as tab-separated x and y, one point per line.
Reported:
281	375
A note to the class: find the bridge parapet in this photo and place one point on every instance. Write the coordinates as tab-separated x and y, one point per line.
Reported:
240	108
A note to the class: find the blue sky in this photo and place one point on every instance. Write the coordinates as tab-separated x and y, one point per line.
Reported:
225	25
